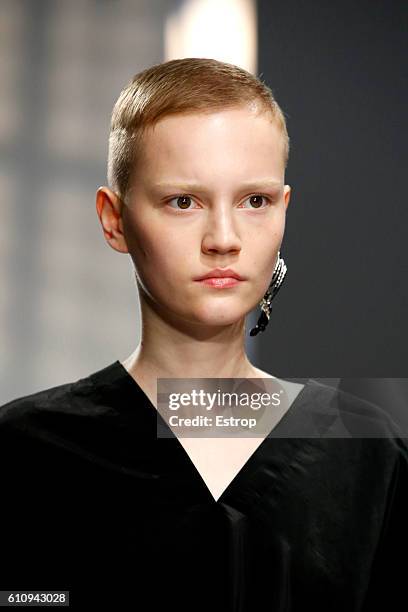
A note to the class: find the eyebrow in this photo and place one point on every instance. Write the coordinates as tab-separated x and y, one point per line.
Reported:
254	184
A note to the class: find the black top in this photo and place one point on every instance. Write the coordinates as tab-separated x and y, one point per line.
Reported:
94	503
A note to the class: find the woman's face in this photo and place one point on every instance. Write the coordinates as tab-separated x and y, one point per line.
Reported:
228	167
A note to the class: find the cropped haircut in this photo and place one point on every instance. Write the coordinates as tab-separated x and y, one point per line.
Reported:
180	86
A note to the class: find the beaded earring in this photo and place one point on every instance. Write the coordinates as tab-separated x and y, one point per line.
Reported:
265	304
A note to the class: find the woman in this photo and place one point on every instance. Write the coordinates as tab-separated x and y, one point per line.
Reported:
312	513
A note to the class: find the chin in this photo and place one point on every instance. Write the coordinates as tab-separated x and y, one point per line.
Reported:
219	317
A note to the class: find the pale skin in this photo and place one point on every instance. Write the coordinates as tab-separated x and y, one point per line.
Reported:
190	330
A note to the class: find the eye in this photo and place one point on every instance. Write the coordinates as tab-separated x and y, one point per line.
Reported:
182	202
258	200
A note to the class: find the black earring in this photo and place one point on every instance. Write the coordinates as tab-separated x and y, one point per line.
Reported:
276	283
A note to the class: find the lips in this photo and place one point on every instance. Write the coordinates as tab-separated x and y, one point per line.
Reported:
221	282
221	273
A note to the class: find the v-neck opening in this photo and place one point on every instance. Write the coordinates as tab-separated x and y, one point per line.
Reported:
118	369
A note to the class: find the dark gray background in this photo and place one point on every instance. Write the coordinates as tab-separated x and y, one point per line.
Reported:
338	69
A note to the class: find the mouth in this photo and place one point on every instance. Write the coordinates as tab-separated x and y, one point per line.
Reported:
222	282
220	273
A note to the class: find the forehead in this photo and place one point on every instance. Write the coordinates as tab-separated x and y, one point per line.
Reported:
199	146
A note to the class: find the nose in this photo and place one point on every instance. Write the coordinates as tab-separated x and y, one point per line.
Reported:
220	235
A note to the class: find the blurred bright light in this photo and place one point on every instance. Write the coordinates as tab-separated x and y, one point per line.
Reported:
221	29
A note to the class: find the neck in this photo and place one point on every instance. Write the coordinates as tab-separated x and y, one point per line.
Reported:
180	349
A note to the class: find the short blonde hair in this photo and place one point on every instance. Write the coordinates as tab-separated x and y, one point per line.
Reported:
180	86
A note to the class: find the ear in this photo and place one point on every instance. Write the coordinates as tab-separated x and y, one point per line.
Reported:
287	191
109	210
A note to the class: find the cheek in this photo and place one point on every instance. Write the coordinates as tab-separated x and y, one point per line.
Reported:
157	254
267	245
